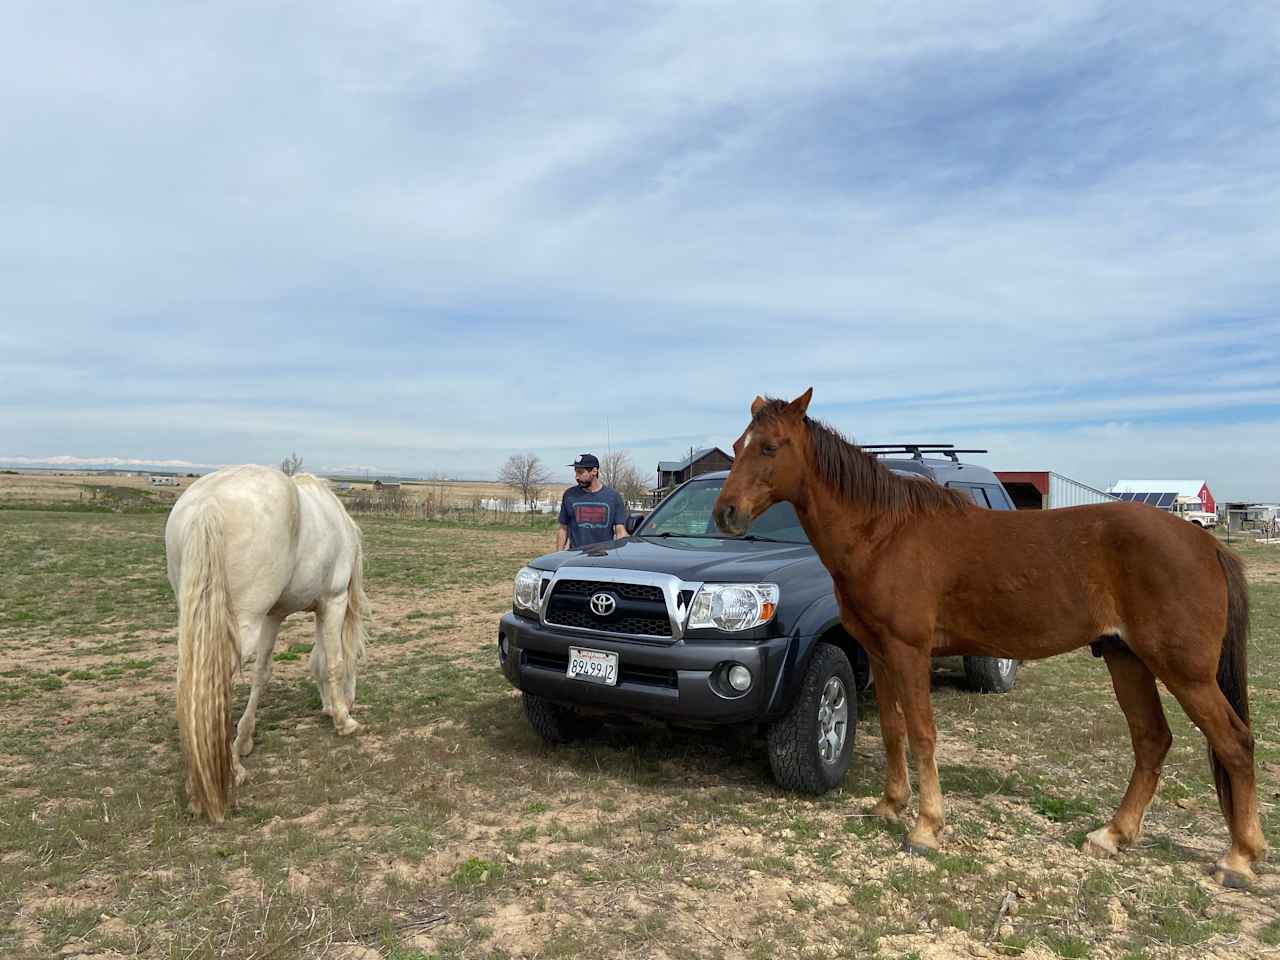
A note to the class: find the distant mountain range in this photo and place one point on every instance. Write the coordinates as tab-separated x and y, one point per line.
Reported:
67	464
105	463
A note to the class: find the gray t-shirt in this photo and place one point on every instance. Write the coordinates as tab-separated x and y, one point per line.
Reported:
589	516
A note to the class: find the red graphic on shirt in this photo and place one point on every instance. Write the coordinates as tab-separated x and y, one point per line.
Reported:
590	513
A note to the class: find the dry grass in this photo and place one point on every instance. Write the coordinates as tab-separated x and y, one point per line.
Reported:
447	829
30	489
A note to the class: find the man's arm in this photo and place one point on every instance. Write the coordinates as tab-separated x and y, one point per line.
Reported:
562	535
619	516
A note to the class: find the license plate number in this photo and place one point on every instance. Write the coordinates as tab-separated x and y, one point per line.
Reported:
595	666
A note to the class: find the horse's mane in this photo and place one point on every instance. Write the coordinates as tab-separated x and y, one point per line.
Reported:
859	478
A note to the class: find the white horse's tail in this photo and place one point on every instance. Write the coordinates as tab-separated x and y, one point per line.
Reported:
354	634
208	654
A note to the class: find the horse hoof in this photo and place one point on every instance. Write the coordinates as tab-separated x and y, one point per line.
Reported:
348	728
886	810
1099	844
1232	879
916	849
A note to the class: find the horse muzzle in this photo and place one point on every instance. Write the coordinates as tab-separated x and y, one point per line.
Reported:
731	520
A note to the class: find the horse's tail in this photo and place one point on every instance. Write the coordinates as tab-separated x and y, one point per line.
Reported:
208	653
1233	665
354	635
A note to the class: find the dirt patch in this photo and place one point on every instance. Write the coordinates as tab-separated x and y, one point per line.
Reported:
457	621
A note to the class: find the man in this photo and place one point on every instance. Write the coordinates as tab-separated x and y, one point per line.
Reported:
590	512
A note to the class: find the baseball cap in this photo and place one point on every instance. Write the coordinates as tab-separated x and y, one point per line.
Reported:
585	461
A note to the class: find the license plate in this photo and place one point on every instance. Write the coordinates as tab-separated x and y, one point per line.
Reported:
596	666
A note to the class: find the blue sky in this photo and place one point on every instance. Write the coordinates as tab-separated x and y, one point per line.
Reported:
419	238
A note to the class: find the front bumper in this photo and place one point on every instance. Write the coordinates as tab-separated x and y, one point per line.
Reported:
671	681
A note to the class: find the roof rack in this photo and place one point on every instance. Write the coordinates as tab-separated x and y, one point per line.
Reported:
917	450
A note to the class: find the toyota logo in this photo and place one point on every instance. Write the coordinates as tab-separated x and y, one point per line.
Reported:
603	604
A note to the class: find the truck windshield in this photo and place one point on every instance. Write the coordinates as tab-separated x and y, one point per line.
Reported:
687	513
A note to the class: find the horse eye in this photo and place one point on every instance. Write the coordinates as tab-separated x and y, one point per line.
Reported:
767	450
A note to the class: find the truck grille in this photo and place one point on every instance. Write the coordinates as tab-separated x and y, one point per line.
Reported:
639	626
640	609
631	591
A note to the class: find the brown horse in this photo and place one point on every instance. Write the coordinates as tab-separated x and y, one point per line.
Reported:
920	571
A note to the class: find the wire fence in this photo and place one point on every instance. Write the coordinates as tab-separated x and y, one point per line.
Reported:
430	504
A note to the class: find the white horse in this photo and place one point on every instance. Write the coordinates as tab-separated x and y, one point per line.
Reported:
246	547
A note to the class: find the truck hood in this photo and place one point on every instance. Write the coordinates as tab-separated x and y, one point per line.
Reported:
712	560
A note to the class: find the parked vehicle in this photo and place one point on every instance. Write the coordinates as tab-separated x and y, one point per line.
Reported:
682	623
1193	511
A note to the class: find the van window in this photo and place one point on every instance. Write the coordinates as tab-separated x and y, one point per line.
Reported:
974	493
997	496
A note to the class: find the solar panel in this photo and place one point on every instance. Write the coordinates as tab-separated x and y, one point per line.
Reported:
1154	498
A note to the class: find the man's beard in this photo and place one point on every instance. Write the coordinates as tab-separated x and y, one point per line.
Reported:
585	484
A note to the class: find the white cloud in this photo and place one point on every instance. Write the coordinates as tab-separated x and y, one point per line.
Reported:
427	236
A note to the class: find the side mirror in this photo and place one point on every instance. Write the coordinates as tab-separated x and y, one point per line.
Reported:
634	520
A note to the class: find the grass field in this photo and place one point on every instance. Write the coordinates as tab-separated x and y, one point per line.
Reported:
445	828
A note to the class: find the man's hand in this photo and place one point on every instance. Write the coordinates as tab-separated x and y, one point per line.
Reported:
562	537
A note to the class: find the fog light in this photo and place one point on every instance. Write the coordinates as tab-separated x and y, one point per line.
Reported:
739	678
502	648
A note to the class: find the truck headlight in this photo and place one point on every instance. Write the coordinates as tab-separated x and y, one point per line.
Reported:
528	589
733	606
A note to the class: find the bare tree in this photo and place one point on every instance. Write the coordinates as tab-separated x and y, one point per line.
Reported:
291	464
524	472
618	470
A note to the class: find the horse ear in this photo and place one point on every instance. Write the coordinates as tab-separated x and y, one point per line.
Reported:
800	404
757	405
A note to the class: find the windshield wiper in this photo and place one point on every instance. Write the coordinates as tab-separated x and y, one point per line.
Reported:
759	539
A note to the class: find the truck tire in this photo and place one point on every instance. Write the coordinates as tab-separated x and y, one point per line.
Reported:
555	723
991	674
811	747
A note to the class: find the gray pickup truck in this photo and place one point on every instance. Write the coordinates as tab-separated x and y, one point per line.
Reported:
681	623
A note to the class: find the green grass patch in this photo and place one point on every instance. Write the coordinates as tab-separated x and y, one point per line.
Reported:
293	652
476	872
1061	809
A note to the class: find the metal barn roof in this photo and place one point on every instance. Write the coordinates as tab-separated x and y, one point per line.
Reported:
670	466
